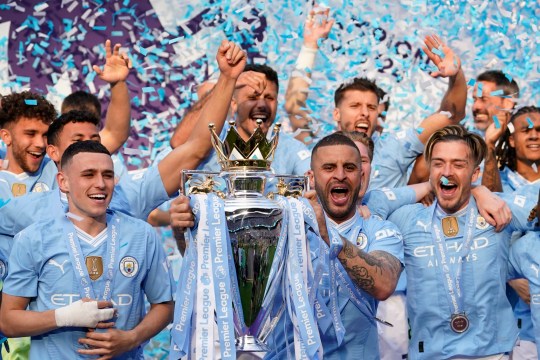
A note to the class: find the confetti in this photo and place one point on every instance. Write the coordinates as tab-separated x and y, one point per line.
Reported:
496	122
444	180
535	169
531	124
32	102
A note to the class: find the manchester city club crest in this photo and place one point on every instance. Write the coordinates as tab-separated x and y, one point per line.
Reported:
129	266
361	241
3	270
481	223
40	187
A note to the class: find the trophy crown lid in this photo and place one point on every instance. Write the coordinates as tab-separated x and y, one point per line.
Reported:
234	153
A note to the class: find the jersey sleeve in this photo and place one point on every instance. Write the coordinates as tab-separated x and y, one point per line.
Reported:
402	217
158	284
22	279
142	192
386	237
521	205
383	202
394	154
517	251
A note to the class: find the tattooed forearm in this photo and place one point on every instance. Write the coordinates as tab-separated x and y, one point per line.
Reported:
374	272
490	177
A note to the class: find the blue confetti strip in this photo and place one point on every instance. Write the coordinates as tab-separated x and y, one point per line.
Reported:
444	180
496	122
30	102
531	124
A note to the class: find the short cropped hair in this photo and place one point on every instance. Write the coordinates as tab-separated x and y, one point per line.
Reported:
26	104
87	146
82	100
73	116
270	73
502	82
476	144
333	140
360	84
362	138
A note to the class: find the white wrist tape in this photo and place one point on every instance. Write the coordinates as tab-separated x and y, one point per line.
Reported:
306	58
82	314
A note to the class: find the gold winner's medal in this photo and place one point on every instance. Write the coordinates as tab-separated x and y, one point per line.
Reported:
94	264
459	323
18	189
450	226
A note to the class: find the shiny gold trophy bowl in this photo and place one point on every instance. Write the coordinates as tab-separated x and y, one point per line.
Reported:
254	222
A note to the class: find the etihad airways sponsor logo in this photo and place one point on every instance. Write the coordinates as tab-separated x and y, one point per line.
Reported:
453	249
66	299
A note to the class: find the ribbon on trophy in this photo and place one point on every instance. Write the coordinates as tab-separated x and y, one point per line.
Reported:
323	314
205	278
299	275
187	284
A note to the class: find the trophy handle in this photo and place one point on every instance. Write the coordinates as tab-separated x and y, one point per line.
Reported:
208	185
290	186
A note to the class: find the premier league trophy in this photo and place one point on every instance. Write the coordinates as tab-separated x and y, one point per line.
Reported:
247	247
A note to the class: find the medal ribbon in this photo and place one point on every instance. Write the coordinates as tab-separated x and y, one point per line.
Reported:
451	280
86	289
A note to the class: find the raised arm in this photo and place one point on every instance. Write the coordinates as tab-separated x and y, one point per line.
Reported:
231	60
376	272
491	177
188	122
118	119
316	27
455	98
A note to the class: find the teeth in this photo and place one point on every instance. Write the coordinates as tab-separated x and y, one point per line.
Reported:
35	153
97	196
362	126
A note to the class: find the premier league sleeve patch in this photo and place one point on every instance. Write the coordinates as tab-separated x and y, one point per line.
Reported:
129	267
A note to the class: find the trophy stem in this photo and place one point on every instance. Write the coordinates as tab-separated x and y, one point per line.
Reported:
249	347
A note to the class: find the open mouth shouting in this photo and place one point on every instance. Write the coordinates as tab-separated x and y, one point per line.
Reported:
448	187
361	126
339	194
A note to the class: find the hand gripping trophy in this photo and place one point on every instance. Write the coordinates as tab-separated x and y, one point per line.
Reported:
248	260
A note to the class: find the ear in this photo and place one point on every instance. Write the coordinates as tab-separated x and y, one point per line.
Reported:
337	117
511	141
234	105
475	174
508	104
6	136
62	182
311	178
53	153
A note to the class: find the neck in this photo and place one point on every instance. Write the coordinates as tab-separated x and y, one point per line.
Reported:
13	166
525	169
453	211
90	225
